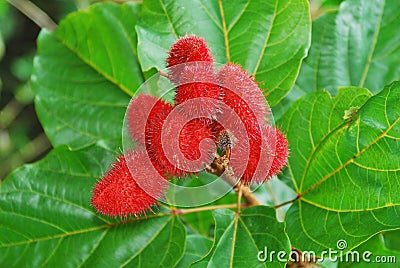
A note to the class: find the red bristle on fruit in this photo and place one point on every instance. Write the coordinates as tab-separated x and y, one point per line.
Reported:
188	49
180	146
118	193
154	144
241	92
197	84
139	110
191	136
189	144
245	107
260	155
241	123
280	155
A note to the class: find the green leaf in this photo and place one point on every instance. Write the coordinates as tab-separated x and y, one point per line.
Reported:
335	170
46	219
330	3
357	46
380	256
203	222
239	239
392	240
84	74
274	192
196	247
310	121
268	38
310	227
223	218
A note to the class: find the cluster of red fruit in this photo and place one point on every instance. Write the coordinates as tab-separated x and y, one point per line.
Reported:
214	109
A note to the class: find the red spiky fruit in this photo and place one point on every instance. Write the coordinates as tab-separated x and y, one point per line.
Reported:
118	193
139	111
154	145
197	84
184	51
241	92
189	48
259	150
243	114
173	142
280	155
196	144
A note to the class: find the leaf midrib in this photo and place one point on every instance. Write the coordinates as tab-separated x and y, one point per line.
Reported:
224	31
372	48
95	67
310	202
266	39
45	238
148	242
351	160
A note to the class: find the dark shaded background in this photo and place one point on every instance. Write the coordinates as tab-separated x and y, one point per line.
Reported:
21	135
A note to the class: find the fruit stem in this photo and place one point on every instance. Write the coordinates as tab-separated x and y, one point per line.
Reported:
220	168
162	73
239	197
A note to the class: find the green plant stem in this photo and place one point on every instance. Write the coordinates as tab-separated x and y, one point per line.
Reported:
9	113
206	208
287	202
34	13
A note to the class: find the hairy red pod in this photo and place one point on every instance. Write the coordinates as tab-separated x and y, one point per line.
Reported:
281	154
165	129
245	106
154	145
118	193
241	92
198	84
189	48
186	50
268	154
190	137
260	148
140	109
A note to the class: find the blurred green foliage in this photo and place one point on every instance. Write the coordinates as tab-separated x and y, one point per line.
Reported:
21	136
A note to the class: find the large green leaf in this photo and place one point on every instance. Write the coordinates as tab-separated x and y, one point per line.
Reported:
84	74
330	3
310	227
380	255
196	247
357	46
46	219
310	120
268	38
239	239
223	219
344	165
202	222
392	240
